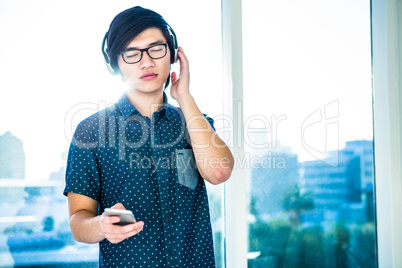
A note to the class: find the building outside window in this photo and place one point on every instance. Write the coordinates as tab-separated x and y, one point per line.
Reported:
308	96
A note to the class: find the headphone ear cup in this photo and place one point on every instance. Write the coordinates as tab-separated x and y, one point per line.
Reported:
176	57
109	68
106	56
175	45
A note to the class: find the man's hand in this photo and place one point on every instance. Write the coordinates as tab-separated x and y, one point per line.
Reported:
214	159
116	233
180	86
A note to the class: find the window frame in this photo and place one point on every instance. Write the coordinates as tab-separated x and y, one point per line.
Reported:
386	15
235	198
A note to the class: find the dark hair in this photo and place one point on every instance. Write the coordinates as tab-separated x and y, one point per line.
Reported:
127	25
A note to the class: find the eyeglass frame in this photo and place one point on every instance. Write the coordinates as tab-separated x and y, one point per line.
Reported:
142	50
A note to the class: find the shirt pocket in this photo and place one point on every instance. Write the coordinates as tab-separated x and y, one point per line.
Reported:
187	171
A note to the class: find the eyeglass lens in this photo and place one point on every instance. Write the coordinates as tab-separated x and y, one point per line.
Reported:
154	52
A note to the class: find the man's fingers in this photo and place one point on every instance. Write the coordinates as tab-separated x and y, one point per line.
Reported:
174	77
118	206
129	227
117	229
183	60
120	237
110	219
135	232
119	233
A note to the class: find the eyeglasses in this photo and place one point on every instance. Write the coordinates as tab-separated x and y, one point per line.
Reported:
132	56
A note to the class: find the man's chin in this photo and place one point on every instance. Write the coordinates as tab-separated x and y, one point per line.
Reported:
147	91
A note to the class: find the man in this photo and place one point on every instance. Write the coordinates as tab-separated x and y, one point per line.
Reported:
147	156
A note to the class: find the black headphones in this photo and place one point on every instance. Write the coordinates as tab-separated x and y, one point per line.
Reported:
107	58
175	45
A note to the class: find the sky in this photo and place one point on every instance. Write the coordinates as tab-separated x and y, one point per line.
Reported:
306	70
317	58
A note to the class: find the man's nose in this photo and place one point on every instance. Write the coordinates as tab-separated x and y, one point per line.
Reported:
146	60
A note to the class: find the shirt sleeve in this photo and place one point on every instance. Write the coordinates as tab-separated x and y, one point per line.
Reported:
210	121
82	172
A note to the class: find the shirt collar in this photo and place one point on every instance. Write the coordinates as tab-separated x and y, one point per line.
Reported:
166	106
128	109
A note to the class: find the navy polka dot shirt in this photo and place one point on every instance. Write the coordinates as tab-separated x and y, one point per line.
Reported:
118	155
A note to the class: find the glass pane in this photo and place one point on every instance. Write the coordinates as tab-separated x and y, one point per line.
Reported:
308	133
52	76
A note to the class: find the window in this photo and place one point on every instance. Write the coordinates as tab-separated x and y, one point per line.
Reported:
307	111
307	94
53	76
